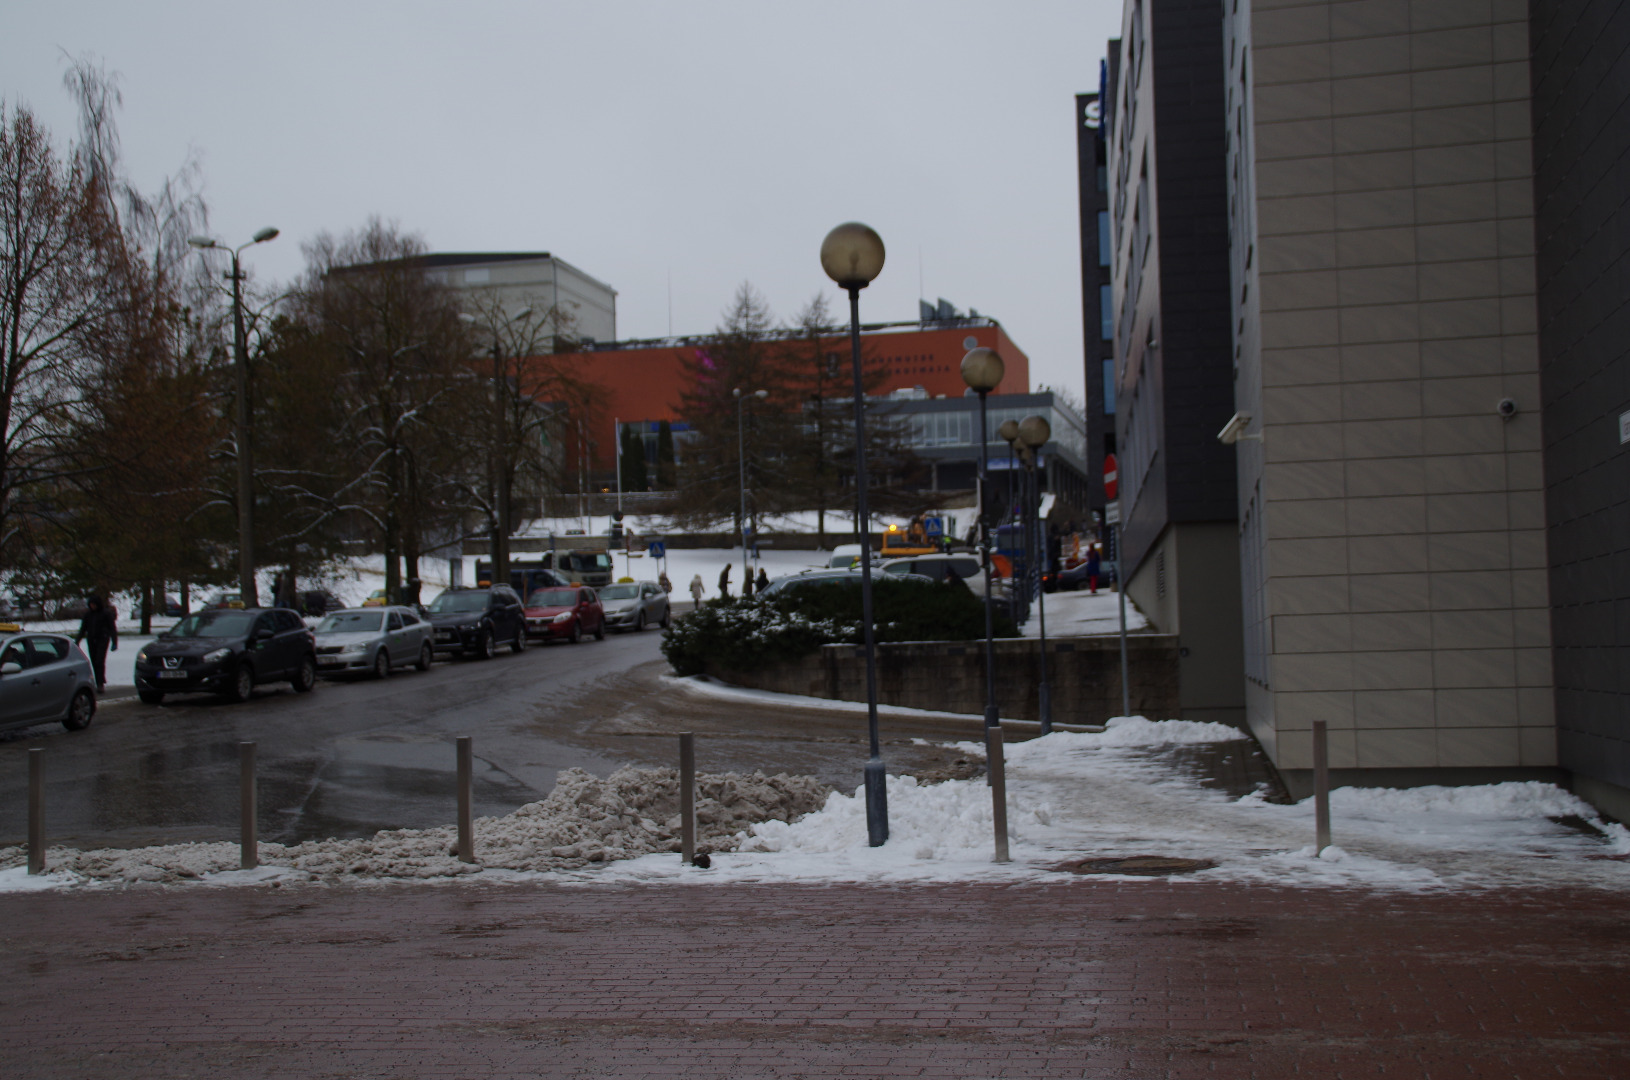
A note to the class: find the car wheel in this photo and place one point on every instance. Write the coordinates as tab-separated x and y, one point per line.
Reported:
306	677
426	656
382	663
243	684
488	647
519	644
576	635
80	711
639	623
150	697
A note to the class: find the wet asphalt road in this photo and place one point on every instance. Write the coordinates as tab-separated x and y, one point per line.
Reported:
345	760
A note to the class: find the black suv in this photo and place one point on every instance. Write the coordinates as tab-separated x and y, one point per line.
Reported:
474	621
228	651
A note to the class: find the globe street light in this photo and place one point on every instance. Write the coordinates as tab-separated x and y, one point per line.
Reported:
852	255
741	477
1034	432
241	431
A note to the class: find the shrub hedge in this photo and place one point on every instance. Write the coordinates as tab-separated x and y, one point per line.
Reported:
744	634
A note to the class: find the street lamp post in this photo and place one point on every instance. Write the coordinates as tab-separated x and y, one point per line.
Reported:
1034	432
982	370
241	433
852	255
741	474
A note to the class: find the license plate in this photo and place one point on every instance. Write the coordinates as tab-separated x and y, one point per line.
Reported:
172	674
444	636
328	661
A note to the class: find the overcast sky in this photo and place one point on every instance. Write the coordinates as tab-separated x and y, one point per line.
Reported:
702	143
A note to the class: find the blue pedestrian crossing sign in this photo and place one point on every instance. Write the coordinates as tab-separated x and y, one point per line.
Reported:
656	549
934	526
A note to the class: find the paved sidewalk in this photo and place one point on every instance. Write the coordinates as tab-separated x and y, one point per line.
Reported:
1084	979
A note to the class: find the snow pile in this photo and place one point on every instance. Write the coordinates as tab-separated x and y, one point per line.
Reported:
585	820
1127	731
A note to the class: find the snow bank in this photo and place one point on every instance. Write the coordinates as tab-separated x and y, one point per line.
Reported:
585	820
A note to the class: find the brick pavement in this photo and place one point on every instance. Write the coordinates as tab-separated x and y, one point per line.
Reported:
1085	979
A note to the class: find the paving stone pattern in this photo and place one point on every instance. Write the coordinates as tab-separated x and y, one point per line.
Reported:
1086	979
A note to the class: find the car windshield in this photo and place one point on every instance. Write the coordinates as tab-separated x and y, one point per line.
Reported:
620	592
552	598
586	562
212	624
451	602
352	622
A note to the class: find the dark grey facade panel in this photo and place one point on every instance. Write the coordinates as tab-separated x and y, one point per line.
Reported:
1581	83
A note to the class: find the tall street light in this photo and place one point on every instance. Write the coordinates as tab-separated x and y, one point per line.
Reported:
852	255
241	431
497	461
741	474
1034	431
982	370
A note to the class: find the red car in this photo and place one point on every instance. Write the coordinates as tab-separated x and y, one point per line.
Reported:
565	611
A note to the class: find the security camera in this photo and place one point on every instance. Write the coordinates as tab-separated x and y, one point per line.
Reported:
1234	430
1507	408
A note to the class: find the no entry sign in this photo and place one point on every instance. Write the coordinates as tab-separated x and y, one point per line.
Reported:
1111	476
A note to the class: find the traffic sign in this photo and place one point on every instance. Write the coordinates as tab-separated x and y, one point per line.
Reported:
1111	477
656	549
1112	513
933	526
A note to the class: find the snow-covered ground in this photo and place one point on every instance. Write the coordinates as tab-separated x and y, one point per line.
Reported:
1071	796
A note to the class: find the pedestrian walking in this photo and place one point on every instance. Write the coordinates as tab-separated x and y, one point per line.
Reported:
1095	566
763	580
697	589
724	582
662	579
102	631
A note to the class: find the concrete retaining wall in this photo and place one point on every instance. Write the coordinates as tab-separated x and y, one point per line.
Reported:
949	676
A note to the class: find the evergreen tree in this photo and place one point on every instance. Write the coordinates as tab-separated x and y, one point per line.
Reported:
665	456
632	462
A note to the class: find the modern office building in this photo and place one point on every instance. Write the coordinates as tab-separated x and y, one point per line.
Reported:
1097	289
1173	371
536	280
1581	84
1391	496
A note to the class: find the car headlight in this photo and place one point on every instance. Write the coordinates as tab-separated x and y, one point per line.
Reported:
142	657
353	650
564	616
217	656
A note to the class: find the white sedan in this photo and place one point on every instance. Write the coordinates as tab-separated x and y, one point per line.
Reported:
373	640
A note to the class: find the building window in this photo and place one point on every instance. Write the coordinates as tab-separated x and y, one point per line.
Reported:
1104	246
1106	312
1109	387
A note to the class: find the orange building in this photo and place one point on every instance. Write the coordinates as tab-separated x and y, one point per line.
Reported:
642	381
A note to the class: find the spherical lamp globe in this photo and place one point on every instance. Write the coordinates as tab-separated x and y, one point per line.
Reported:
982	370
1035	431
852	255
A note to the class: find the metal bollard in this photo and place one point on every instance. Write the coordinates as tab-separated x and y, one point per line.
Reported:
36	811
687	798
1321	786
997	764
248	840
466	824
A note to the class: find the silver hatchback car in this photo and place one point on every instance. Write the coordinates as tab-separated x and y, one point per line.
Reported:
44	677
634	605
373	640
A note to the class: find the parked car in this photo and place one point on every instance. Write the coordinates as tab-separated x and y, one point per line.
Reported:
1075	577
565	613
474	621
376	598
634	605
229	651
964	566
851	576
44	677
373	640
318	602
227	600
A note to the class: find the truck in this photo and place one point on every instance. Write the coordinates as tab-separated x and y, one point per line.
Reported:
577	560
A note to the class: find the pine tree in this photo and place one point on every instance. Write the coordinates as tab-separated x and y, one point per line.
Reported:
665	456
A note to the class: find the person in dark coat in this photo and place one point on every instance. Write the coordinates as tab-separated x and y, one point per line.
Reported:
763	580
724	582
102	631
